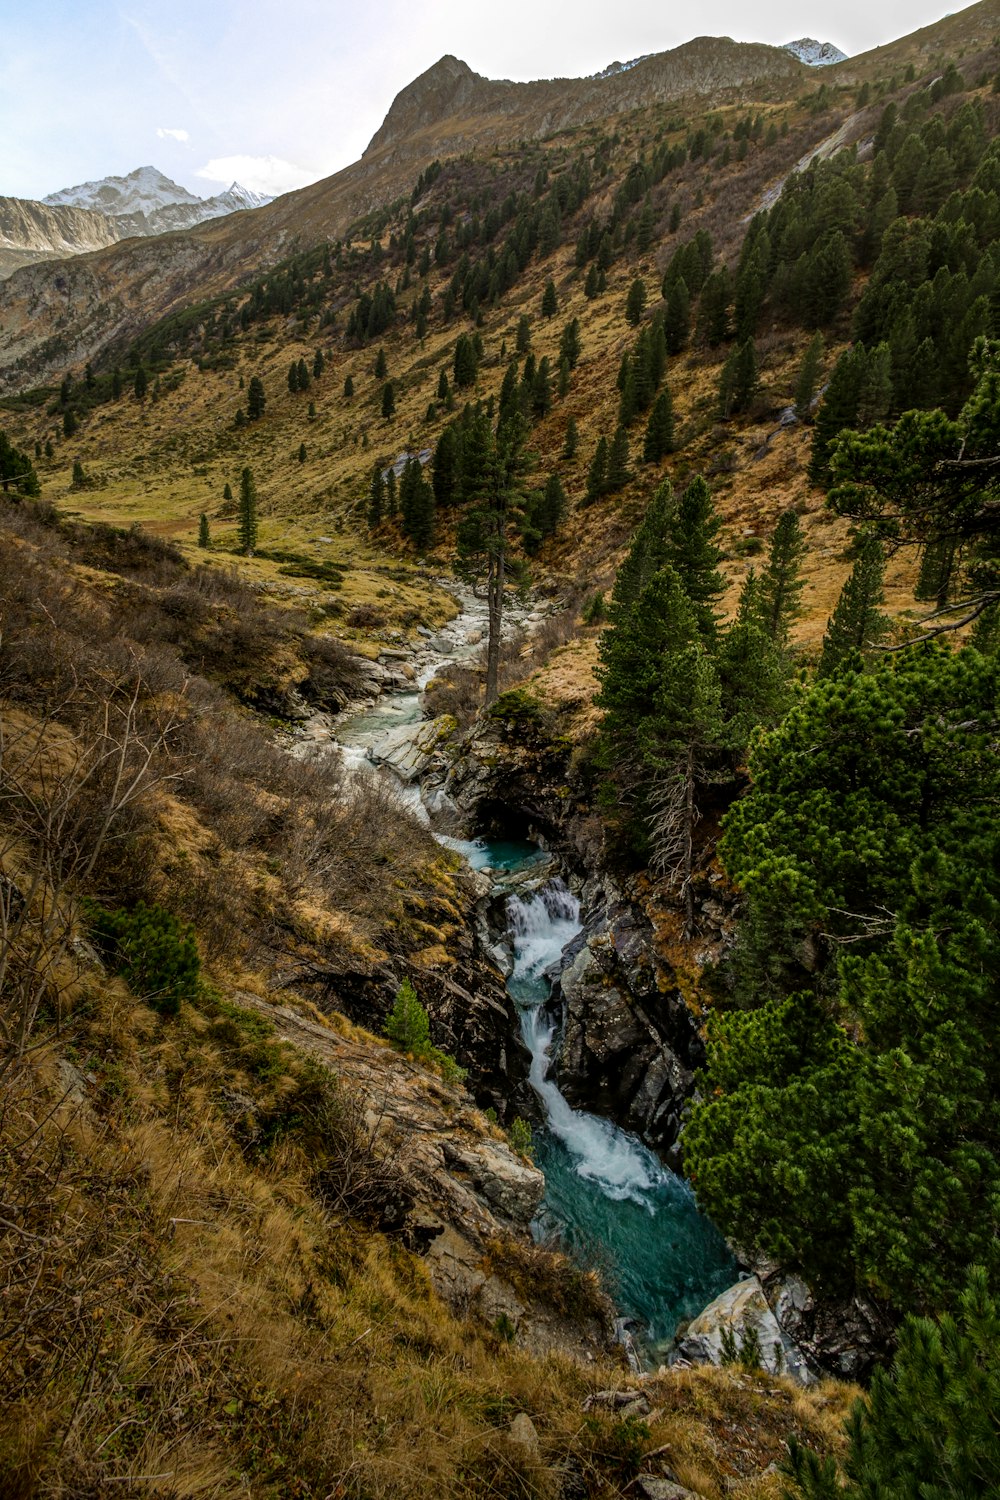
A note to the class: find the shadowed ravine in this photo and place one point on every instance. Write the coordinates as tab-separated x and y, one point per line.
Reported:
608	1198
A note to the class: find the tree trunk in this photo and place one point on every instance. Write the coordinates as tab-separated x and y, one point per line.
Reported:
494	596
689	821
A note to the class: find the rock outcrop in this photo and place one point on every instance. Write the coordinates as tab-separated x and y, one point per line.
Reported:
741	1323
465	1193
630	1045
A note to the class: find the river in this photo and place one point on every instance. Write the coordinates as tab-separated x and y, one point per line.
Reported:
609	1200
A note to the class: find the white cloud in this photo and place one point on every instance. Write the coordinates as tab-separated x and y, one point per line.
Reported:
166	134
262	174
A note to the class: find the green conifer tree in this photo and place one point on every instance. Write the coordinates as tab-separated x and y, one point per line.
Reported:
246	524
550	301
808	377
658	440
635	302
388	400
597	474
781	582
857	624
204	537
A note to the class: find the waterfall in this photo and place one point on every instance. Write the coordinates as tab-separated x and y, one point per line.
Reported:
619	1165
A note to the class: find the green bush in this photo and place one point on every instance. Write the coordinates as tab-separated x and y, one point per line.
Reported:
155	953
408	1026
520	1136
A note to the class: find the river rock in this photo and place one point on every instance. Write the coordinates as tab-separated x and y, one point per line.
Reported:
847	1337
410	750
629	1046
739	1318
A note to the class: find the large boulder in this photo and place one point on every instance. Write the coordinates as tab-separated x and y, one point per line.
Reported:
740	1323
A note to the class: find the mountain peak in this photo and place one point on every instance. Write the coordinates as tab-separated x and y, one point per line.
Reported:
143	191
816	54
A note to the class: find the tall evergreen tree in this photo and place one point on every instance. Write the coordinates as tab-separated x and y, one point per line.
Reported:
781	582
691	550
256	399
388	400
659	436
416	506
246	516
647	553
550	301
597	474
808	377
635	302
619	473
677	324
857	623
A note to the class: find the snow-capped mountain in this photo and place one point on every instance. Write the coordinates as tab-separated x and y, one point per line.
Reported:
94	214
149	202
816	54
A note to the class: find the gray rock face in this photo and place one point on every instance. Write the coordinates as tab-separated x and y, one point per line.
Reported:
740	1317
845	1337
629	1046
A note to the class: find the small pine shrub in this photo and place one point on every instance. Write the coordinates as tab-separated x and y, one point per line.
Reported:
520	1136
155	953
407	1024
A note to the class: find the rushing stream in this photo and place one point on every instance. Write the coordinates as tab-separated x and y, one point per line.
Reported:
608	1197
611	1200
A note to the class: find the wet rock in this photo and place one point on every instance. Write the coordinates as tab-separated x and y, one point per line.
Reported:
629	1047
410	750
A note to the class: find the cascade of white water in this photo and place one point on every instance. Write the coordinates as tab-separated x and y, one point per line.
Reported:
621	1167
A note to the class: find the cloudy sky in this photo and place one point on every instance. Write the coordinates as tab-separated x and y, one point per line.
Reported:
278	93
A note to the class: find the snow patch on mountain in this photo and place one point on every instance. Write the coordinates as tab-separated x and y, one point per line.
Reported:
615	68
816	54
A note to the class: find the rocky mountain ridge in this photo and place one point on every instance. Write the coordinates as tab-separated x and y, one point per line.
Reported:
815	54
94	215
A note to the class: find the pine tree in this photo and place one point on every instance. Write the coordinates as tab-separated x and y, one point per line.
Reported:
140	385
541	390
381	365
619	473
443	387
348	387
592	286
753	672
293	376
246	524
79	481
569	343
227	492
416	506
677	325
522	339
857	623
571	441
713	310
388	400
256	399
739	380
808	376
780	582
550	301
302	453
930	1428
691	550
407	1024
597	475
204	538
635	302
318	363
647	552
659	436
391	495
303	373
